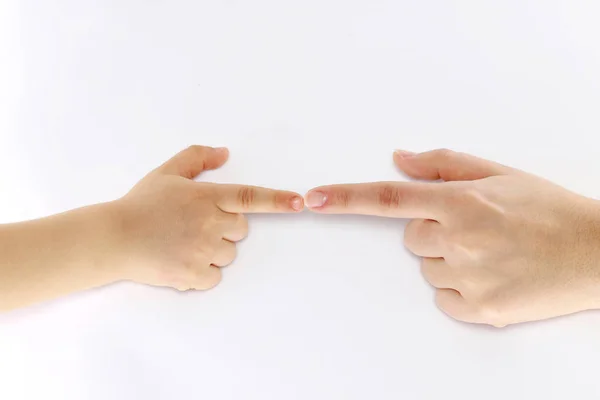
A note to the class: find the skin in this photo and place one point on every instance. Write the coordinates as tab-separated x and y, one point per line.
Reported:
499	245
167	231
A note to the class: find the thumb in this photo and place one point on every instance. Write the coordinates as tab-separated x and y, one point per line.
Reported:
192	161
447	165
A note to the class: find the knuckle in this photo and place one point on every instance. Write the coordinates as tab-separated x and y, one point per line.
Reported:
475	199
444	153
206	277
441	301
446	302
232	253
206	192
228	253
471	195
490	311
427	272
196	149
192	152
412	233
246	196
465	247
463	196
389	196
244	226
184	278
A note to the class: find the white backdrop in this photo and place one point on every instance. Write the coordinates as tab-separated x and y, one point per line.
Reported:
96	93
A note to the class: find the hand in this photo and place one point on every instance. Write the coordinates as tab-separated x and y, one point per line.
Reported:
177	232
501	246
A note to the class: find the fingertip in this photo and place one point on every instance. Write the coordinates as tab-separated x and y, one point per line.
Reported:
411	164
224	151
403	154
286	202
315	199
215	158
297	203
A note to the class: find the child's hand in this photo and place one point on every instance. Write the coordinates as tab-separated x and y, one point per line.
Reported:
177	232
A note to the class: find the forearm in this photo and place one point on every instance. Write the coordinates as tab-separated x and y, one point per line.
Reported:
57	255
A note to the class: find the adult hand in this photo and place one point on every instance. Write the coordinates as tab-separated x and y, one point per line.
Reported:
500	245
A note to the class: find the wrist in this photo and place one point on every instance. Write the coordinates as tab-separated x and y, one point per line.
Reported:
589	233
102	242
50	257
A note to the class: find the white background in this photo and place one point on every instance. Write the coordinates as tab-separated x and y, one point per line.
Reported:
96	93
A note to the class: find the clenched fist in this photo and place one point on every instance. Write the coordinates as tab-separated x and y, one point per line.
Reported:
500	245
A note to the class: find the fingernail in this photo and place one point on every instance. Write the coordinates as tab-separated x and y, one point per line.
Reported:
220	149
404	153
316	199
297	203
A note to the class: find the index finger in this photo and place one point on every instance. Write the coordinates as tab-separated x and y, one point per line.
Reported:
385	199
254	199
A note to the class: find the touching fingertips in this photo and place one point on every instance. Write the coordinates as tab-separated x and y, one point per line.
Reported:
316	199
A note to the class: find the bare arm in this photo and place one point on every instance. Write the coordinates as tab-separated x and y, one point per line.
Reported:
53	256
167	231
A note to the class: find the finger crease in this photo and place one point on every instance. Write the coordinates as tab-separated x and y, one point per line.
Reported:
342	199
389	197
246	197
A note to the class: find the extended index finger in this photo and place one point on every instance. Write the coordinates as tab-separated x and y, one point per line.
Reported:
255	199
386	199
